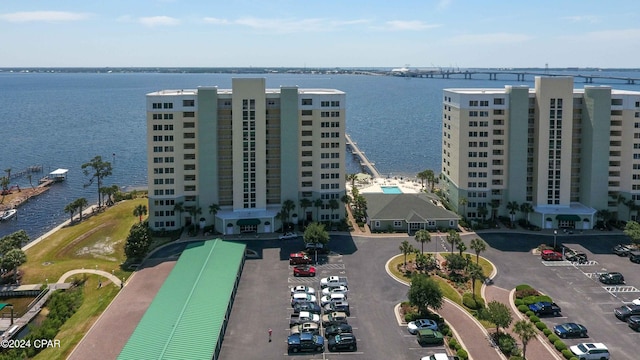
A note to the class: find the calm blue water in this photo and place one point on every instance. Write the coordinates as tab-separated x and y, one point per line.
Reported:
63	120
391	190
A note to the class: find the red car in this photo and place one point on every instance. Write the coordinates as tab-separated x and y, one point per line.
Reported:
304	270
299	259
551	255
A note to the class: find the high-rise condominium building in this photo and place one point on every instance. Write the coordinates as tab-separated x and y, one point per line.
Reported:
239	158
565	153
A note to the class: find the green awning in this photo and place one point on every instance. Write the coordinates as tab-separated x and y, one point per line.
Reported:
564	217
248	222
3	305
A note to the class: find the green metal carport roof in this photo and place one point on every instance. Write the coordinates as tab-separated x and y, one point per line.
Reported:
185	319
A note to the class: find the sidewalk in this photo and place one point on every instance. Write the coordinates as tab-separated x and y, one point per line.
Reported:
538	348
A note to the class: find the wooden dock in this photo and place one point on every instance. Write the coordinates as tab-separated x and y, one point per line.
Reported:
364	162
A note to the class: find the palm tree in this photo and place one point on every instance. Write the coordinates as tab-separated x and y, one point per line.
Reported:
422	175
453	238
525	331
605	215
101	169
194	211
179	208
213	210
71	209
526	208
512	206
287	207
333	205
346	199
140	211
495	204
317	203
463	201
461	246
431	178
352	178
80	204
304	205
423	236
482	212
476	273
405	248
478	246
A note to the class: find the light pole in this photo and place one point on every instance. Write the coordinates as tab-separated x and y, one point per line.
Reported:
555	234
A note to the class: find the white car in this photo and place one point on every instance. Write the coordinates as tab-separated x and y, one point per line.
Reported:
302	297
439	356
332	298
335	290
421	324
303	289
636	301
588	351
288	236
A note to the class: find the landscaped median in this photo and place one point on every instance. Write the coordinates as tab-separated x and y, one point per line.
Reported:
524	296
441	276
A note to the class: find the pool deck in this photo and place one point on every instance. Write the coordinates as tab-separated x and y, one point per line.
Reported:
407	186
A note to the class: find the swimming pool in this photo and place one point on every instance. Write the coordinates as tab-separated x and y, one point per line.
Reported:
391	190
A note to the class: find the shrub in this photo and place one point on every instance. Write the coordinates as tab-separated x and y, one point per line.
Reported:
453	343
536	298
560	345
567	354
529	313
523	308
534	319
546	331
472	303
541	326
516	358
553	338
520	294
518	302
523	286
507	344
462	354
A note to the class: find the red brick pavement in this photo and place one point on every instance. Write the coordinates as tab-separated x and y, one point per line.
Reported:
471	334
538	348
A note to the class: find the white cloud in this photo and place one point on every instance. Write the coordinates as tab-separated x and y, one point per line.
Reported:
216	21
407	25
45	16
617	35
494	38
582	18
287	25
152	21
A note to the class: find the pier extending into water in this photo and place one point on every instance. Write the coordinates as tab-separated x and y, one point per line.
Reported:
364	162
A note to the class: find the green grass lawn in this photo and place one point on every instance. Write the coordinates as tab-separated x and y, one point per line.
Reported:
95	243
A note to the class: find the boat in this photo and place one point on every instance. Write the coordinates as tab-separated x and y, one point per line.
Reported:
8	214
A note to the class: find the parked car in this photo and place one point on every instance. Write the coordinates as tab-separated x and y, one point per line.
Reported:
316	247
288	236
634	322
634	256
625	311
335	290
303	289
333	281
588	351
303	317
304	270
332	318
332	298
636	301
299	259
305	342
621	250
344	341
551	255
567	330
420	324
440	356
575	256
337	329
309	327
296	298
309	306
338	306
545	308
430	337
611	278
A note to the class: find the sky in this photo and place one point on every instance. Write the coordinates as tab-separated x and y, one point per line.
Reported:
324	34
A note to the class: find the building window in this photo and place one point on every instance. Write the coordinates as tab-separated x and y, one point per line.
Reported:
188	114
307	102
188	103
397	223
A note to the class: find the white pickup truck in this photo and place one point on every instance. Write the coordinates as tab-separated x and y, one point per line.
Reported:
333	281
303	317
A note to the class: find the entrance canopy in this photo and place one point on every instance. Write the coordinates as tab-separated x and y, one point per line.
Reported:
567	217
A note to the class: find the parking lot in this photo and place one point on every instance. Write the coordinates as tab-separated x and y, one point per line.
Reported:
263	302
575	288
